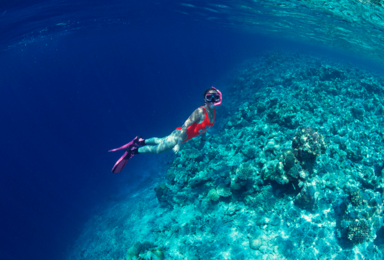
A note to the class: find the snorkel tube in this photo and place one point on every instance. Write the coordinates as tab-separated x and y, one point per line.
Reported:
221	97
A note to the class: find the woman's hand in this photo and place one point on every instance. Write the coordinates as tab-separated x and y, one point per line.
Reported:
202	144
202	141
176	148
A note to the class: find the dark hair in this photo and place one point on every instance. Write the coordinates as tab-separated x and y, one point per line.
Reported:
205	92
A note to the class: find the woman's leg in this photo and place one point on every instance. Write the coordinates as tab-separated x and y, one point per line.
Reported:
159	145
152	141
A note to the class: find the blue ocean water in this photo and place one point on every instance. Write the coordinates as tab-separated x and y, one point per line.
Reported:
81	77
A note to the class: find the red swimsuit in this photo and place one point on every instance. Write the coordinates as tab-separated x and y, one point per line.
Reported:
196	129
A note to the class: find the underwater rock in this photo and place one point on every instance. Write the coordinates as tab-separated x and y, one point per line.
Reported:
284	115
177	176
288	158
371	85
191	153
262	199
308	144
359	231
367	177
274	170
262	129
356	198
261	108
245	171
307	140
163	194
330	74
223	191
236	120
220	191
213	195
362	217
249	152
358	112
255	243
181	198
354	151
145	250
307	198
237	184
284	169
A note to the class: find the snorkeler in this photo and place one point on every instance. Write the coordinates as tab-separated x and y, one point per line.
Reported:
198	123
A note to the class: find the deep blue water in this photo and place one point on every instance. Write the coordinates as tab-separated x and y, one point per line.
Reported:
67	100
68	96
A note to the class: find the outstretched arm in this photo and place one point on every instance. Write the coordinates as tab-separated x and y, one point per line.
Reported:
202	142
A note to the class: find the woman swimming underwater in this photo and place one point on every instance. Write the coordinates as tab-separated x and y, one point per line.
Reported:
198	123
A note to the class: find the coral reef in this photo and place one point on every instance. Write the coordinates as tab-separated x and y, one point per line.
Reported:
293	170
245	171
145	251
308	144
213	195
223	191
359	231
307	198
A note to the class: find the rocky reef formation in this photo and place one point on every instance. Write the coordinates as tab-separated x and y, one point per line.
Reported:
295	170
145	250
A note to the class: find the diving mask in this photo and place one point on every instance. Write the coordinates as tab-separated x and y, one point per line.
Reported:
212	97
215	98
